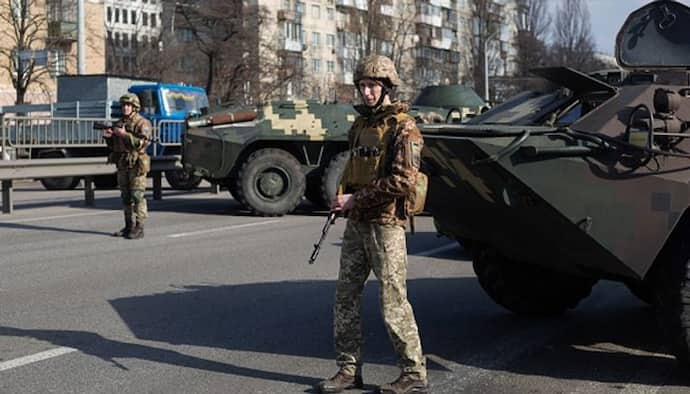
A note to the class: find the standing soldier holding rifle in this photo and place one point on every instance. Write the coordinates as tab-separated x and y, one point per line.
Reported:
380	189
127	141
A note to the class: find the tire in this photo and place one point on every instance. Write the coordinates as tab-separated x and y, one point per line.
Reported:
271	182
105	181
671	277
330	180
59	183
182	180
527	289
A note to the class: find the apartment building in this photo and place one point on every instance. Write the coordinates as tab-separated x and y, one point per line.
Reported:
133	28
54	50
431	41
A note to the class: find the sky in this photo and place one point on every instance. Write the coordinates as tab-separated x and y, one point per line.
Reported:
607	16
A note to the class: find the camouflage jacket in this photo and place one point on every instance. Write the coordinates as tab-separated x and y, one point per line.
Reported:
383	200
125	150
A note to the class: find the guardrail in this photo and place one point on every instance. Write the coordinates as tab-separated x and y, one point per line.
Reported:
88	167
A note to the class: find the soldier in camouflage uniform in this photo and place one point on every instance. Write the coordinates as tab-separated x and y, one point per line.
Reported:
379	178
128	140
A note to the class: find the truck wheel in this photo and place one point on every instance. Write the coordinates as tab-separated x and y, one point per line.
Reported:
332	175
671	276
182	180
526	289
60	183
271	182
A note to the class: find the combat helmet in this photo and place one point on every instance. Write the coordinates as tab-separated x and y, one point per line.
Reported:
130	98
379	68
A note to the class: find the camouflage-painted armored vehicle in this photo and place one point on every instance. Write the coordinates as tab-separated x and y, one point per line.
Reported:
552	191
286	151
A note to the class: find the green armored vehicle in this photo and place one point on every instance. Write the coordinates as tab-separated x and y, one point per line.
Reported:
553	191
270	158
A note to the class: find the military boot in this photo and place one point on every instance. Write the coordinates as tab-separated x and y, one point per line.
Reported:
341	381
124	232
137	232
406	383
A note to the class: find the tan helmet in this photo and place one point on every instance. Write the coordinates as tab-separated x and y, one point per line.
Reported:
377	67
130	98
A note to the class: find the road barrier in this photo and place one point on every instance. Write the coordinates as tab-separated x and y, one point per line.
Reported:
88	167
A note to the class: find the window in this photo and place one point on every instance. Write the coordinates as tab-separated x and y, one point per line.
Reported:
117	15
144	41
286	4
299	8
124	16
117	39
153	20
316	66
330	40
316	39
144	19
184	35
125	40
109	15
330	66
134	17
330	14
315	11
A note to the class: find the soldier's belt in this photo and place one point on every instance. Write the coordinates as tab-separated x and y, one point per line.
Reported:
366	151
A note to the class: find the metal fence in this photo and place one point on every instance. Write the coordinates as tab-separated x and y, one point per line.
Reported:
41	132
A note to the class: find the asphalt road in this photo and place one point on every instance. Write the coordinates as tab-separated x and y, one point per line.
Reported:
214	300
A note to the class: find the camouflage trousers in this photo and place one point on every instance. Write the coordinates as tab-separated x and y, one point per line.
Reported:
382	249
132	189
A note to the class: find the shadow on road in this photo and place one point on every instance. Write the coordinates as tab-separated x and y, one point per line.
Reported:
458	323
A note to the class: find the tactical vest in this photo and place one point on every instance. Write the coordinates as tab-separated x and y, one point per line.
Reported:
368	151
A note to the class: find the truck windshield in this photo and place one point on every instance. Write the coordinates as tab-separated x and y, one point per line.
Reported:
179	100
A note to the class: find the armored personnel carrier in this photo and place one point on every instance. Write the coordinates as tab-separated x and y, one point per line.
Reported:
553	191
270	157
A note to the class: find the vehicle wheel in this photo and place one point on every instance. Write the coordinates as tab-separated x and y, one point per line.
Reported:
182	180
271	182
526	289
332	176
671	276
60	183
105	181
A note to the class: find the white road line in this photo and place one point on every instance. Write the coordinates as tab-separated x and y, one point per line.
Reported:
18	362
439	249
213	230
60	216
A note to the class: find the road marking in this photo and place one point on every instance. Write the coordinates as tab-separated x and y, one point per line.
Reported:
214	230
59	217
439	249
21	361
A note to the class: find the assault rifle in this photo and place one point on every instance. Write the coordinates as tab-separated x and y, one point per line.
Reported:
317	246
105	125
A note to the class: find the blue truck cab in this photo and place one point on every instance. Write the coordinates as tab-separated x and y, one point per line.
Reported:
166	106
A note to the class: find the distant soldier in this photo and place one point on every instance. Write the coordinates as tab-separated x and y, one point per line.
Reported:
128	140
378	183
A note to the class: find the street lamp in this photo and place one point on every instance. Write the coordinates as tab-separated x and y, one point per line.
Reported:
486	64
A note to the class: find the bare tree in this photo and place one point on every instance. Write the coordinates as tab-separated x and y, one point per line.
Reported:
533	21
573	44
24	50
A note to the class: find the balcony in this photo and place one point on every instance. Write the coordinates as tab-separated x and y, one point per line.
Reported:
62	31
289	15
444	43
359	4
292	45
433	20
